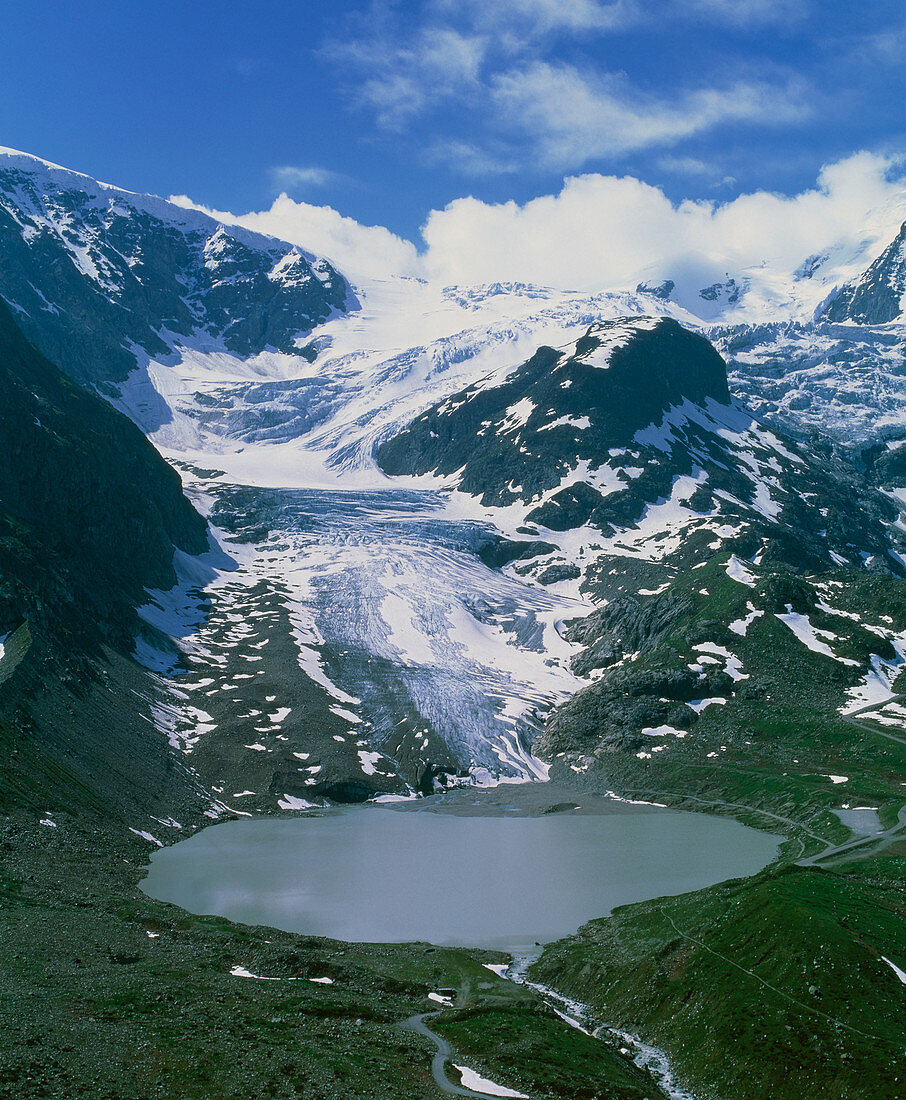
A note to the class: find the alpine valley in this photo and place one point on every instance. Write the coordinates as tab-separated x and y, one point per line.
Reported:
274	537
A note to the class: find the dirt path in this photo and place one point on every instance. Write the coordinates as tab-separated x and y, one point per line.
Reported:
853	720
444	1053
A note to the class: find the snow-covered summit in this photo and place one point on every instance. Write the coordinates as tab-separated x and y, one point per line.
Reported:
98	275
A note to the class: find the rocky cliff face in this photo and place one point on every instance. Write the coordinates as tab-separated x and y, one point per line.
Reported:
876	297
90	516
97	275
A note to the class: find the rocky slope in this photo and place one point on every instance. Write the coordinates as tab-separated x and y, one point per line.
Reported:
89	516
622	470
101	279
630	437
876	297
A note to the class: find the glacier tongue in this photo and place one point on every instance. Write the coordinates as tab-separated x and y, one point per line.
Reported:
432	643
425	653
432	658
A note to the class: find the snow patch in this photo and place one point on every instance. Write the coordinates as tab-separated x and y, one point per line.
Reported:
146	836
737	570
290	802
899	973
472	1080
241	972
802	627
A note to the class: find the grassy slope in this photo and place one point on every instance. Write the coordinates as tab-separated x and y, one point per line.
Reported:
771	987
530	1051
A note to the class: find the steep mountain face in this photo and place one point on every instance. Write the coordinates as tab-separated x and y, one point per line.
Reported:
622	472
876	297
98	276
89	516
633	434
841	372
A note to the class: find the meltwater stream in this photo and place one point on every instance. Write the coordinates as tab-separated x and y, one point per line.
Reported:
371	873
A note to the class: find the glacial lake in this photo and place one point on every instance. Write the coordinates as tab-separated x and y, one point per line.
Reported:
371	873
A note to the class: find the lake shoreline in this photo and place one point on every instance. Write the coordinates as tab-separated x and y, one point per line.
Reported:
526	799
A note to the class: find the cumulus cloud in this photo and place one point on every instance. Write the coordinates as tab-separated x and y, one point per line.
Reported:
608	232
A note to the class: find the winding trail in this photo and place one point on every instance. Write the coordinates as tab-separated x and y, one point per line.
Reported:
859	842
854	721
767	985
798	825
444	1053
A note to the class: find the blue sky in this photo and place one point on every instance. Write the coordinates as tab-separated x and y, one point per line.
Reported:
387	111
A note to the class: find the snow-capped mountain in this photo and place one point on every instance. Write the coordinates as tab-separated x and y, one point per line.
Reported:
462	470
101	279
876	296
455	535
846	381
840	371
631	438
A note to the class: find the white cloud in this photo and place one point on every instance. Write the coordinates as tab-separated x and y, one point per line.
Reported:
291	176
545	16
609	232
401	82
695	168
494	75
469	159
887	47
574	117
360	252
538	18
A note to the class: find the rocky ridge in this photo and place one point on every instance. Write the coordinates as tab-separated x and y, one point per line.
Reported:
102	279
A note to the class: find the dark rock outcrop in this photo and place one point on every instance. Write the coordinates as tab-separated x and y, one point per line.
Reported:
876	296
90	516
520	437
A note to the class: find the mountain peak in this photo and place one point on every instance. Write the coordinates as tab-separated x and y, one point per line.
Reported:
97	275
521	434
876	297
